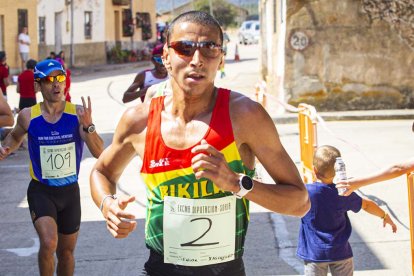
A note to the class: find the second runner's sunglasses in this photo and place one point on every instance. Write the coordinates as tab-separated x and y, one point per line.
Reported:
188	48
58	78
157	59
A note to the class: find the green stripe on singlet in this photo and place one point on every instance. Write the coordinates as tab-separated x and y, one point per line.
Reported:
202	188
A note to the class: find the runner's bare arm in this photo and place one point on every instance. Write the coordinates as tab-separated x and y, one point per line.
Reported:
15	137
93	140
135	90
127	142
256	135
6	115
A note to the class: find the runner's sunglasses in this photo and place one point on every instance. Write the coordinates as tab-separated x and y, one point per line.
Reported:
58	78
188	48
157	59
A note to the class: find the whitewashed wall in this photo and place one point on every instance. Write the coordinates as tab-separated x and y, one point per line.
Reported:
48	8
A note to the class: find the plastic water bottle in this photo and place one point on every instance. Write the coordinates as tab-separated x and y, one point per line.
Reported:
340	174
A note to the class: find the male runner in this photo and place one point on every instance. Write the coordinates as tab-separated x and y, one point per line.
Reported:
146	78
56	132
198	147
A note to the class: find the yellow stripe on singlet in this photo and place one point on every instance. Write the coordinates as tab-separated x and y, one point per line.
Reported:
70	108
35	111
31	171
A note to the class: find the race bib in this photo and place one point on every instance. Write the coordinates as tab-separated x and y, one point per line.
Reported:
58	161
199	231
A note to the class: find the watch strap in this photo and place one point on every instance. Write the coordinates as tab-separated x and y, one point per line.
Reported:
86	129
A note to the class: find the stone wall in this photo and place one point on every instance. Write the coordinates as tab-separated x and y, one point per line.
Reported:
350	54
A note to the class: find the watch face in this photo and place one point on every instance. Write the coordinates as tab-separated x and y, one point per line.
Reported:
247	182
91	128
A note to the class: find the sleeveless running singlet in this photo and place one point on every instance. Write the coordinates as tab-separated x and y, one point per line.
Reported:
55	149
192	222
150	79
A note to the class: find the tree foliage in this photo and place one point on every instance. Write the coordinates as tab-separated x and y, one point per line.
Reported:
222	11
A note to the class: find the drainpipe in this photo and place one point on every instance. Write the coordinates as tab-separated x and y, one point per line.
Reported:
72	53
132	26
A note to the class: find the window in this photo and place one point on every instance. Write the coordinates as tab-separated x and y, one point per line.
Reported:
127	23
42	29
88	25
144	21
22	19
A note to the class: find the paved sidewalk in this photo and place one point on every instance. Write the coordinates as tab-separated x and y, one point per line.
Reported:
88	70
355	115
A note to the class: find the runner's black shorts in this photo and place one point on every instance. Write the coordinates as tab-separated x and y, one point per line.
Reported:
155	266
26	102
60	203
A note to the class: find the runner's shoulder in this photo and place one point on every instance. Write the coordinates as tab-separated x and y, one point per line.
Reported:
134	120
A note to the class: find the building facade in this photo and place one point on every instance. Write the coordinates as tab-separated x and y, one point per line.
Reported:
86	30
349	56
91	29
14	15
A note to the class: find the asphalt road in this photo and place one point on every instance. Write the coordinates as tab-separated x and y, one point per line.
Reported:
271	241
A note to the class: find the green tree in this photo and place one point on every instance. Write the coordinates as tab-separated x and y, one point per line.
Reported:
222	11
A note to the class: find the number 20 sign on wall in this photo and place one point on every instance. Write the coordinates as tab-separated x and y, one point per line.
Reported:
298	40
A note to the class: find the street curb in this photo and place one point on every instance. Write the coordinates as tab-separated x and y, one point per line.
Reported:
398	114
77	71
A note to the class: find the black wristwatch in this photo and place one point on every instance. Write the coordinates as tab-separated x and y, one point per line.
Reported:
89	129
246	185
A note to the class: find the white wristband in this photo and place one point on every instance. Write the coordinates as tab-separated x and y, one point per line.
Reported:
103	200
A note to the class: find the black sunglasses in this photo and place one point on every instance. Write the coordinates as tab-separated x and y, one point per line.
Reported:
188	48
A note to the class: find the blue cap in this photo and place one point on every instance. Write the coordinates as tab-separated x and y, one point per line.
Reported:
47	66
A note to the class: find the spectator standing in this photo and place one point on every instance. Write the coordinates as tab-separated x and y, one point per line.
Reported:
4	74
61	55
24	47
25	86
61	58
324	233
52	55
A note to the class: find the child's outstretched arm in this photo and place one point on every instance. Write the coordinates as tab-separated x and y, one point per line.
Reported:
387	173
372	208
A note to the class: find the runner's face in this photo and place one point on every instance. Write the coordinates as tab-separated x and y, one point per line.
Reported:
194	72
158	64
53	91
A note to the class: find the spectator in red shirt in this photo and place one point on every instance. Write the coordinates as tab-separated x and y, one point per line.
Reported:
67	88
4	73
61	58
25	86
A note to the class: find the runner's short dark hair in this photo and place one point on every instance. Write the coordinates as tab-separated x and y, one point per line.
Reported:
197	17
